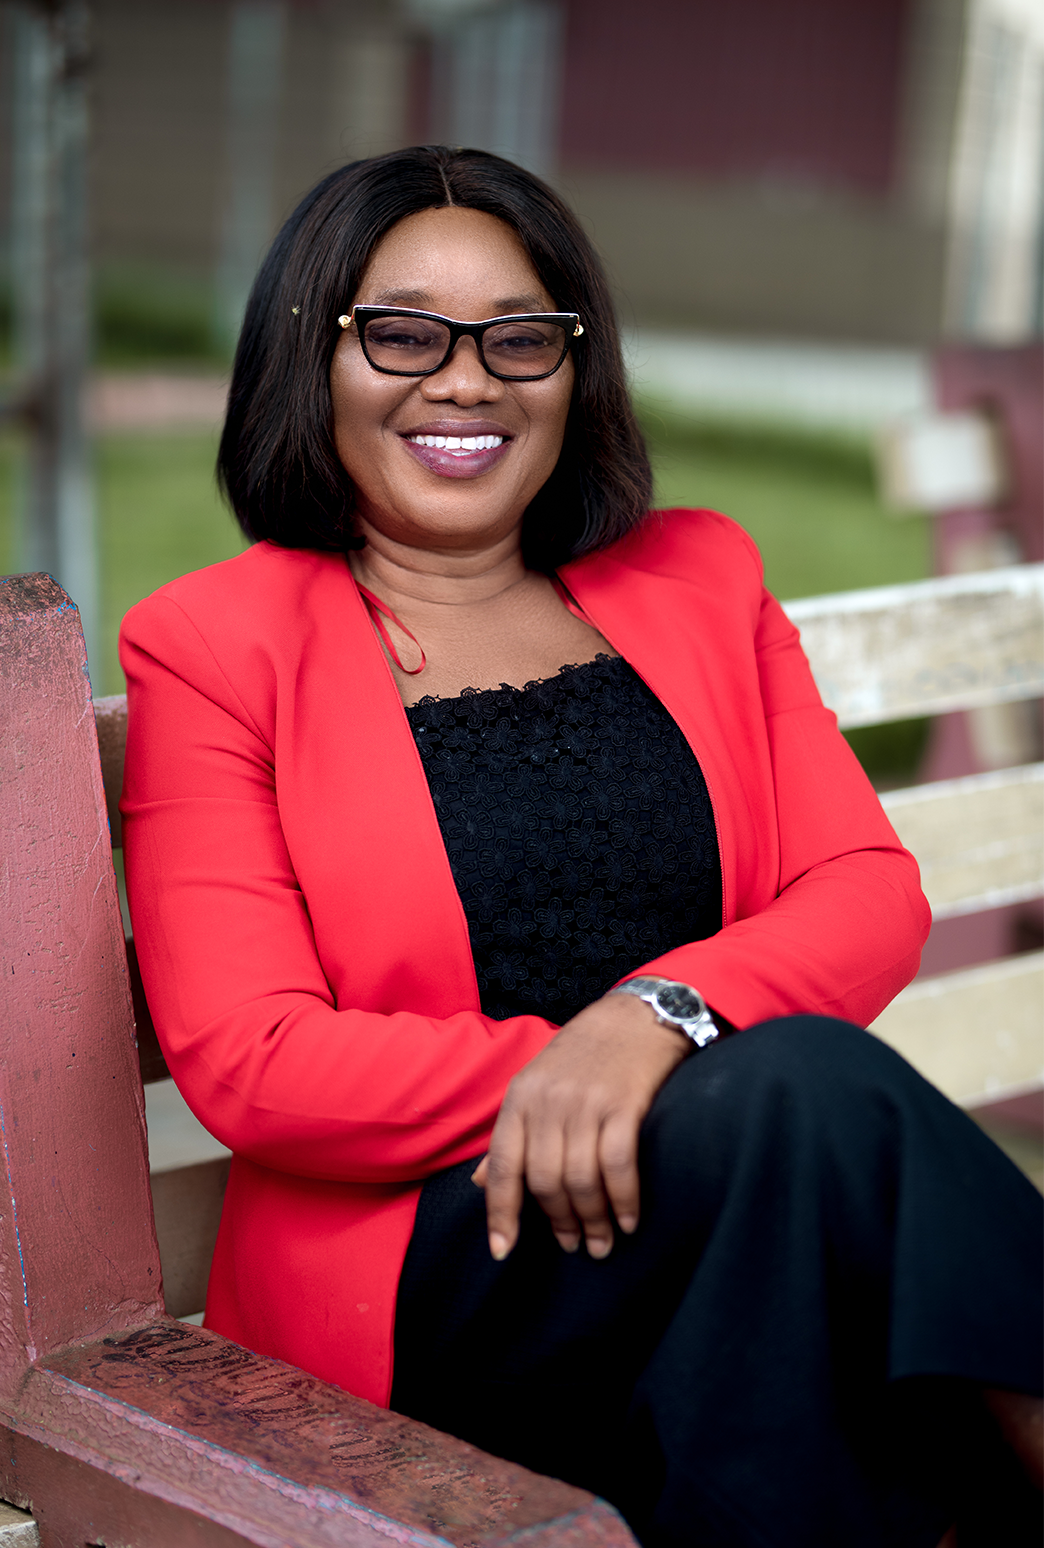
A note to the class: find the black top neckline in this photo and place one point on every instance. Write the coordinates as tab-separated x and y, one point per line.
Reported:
507	689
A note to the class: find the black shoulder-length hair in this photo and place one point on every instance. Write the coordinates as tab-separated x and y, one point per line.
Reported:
277	463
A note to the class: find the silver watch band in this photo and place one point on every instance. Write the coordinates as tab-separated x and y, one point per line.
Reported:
675	1005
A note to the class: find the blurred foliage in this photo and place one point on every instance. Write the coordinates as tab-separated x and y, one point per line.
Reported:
890	754
143	316
809	502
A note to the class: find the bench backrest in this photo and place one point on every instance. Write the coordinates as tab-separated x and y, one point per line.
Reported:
954	643
961	642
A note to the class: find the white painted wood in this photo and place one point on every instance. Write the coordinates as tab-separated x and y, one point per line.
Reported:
189	1170
978	1034
17	1528
978	840
894	652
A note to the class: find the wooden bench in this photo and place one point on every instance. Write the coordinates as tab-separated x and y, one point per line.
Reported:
959	642
121	1425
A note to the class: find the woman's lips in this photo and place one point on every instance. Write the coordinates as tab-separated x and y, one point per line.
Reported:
458	456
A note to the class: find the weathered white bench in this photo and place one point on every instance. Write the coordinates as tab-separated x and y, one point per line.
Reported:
959	642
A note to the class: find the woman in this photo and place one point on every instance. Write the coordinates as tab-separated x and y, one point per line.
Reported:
465	740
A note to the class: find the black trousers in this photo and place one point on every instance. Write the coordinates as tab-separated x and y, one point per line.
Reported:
831	1258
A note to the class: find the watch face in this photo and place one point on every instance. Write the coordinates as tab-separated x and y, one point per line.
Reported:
679	1002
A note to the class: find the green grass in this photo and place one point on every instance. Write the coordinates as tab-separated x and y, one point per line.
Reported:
159	516
143	316
808	501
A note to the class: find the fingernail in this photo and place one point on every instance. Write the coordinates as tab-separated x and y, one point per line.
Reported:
599	1247
498	1246
474	1175
627	1223
568	1243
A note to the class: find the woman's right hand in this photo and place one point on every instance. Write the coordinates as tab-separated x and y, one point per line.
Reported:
568	1126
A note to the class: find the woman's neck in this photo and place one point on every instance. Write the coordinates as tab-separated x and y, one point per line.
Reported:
425	580
452	619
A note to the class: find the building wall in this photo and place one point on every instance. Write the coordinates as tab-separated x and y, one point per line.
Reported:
725	257
743	167
767	166
156	96
803	93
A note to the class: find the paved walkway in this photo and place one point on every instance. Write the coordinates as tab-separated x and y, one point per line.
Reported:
846	387
154	400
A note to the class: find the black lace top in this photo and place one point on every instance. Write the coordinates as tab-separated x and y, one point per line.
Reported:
579	831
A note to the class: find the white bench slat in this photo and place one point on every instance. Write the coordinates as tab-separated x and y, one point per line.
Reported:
895	652
978	840
977	1034
17	1528
189	1170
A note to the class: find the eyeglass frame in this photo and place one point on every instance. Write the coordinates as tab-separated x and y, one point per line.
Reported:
459	330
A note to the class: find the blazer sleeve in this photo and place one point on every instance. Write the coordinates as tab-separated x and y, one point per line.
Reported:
244	1013
845	931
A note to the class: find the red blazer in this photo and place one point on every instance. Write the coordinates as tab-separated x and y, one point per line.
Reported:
303	947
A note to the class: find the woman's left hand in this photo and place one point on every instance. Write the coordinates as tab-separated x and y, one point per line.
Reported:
568	1126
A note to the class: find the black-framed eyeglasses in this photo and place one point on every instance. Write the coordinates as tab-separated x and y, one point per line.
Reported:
520	348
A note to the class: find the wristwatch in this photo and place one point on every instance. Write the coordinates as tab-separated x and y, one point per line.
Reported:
674	1005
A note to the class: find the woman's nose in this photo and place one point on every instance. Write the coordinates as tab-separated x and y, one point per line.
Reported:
463	379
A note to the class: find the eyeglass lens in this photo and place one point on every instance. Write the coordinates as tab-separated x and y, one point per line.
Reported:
416	344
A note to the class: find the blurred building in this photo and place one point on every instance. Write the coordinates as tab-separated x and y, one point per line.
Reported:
871	170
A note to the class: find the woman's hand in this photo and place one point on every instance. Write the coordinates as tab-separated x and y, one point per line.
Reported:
568	1126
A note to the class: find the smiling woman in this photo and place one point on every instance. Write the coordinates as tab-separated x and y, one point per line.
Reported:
510	906
278	462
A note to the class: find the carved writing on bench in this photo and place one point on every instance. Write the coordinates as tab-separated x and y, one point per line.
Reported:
296	1425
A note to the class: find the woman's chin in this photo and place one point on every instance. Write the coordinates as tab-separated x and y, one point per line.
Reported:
459	521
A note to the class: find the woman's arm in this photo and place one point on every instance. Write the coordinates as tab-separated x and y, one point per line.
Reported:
845	931
245	1014
842	936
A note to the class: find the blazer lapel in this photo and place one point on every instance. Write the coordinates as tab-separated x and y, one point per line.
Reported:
395	938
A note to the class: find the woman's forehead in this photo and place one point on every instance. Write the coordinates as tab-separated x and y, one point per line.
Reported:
427	259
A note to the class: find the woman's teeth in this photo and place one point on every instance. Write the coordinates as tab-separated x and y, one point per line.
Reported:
461	445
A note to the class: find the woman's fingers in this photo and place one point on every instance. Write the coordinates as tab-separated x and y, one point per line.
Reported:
582	1177
504	1172
545	1178
618	1159
568	1127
